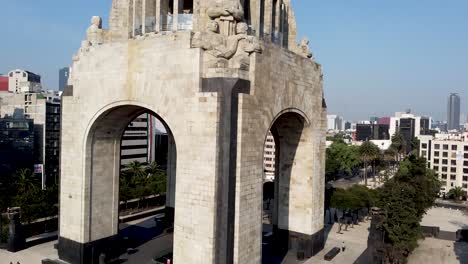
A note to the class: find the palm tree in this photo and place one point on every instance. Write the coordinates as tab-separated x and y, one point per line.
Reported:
398	145
369	152
134	169
390	157
457	193
25	180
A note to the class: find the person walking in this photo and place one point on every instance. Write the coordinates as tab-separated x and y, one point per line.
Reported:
343	246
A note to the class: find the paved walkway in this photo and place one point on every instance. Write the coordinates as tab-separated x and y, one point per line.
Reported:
437	251
450	220
355	240
33	255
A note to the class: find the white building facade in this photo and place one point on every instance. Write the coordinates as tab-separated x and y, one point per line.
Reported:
448	156
21	81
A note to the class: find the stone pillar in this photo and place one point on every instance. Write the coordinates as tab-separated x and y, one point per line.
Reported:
157	25
143	17
16	239
171	180
175	20
268	19
133	17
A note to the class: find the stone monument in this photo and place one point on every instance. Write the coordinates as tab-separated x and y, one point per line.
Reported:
219	87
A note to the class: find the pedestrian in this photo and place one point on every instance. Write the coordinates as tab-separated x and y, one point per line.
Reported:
343	246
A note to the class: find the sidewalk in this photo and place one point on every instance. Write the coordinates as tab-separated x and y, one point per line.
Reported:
32	255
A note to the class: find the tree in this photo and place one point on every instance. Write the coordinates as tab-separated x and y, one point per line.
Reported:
368	152
404	200
340	158
415	145
398	145
456	193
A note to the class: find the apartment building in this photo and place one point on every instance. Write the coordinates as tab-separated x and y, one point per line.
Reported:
448	156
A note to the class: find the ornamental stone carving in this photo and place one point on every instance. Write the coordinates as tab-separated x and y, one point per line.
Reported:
95	34
226	41
303	48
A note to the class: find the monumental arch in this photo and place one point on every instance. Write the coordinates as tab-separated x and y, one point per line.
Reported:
220	74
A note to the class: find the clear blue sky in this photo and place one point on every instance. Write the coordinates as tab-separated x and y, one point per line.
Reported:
378	57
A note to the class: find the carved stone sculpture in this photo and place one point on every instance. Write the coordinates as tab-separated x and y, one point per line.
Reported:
95	34
246	46
303	48
228	8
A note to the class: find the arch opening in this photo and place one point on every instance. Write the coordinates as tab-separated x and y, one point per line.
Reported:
285	172
131	168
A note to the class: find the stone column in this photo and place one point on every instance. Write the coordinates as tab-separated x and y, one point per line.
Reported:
16	239
268	12
157	26
133	17
175	20
143	17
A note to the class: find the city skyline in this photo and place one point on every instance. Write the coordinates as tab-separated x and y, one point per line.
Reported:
392	56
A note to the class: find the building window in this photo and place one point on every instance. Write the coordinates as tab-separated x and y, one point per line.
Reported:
437	146
445	154
465	163
436	168
452	184
465	171
444	176
454	170
444	169
466	155
445	162
466	148
453	162
424	153
454	147
436	154
465	178
446	147
465	185
424	145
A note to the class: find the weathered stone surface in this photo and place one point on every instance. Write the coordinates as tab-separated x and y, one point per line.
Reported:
218	118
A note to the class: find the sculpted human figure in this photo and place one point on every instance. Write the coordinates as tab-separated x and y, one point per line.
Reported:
232	8
94	34
247	45
210	39
304	48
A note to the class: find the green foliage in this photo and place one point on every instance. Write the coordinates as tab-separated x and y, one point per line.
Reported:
24	190
341	157
398	145
4	232
138	181
354	198
404	200
457	193
368	151
415	145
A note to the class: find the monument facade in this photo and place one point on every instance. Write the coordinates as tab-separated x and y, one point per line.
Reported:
220	74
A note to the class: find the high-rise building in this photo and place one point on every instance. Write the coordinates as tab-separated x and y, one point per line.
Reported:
335	123
43	109
347	125
3	83
63	78
366	132
16	144
449	158
269	158
135	141
20	81
453	112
